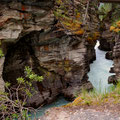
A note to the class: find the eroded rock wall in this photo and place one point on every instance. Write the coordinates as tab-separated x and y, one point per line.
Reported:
30	36
110	41
116	59
107	39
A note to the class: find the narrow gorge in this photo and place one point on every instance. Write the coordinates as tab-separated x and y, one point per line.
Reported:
65	42
30	37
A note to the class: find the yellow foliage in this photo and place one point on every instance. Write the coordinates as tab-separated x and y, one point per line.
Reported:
58	1
97	34
78	16
79	32
77	101
93	37
77	25
89	38
66	62
118	23
74	26
112	28
116	30
48	74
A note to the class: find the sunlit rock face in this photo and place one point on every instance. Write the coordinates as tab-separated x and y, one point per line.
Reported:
32	37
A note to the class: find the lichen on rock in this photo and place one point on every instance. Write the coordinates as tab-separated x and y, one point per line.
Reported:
36	38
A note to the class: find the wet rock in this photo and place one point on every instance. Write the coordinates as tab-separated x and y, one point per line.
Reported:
109	55
71	92
116	57
104	45
112	70
107	38
112	79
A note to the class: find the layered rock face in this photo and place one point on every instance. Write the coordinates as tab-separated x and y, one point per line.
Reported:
31	37
110	41
116	59
107	39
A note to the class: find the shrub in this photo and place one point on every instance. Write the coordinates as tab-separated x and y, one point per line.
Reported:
97	98
1	53
11	105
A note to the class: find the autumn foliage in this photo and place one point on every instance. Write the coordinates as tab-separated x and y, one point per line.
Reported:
71	19
116	27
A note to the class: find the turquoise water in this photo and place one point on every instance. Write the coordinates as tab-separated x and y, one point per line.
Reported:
98	76
59	102
99	71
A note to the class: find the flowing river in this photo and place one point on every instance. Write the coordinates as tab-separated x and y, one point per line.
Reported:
59	102
98	76
99	71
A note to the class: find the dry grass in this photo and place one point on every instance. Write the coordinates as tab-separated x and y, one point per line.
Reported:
95	98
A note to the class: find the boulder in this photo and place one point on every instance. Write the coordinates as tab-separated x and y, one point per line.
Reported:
109	55
112	79
112	70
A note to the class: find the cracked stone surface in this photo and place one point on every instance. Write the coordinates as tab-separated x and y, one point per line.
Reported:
79	114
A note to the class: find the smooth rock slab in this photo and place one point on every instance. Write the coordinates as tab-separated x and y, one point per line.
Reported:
79	114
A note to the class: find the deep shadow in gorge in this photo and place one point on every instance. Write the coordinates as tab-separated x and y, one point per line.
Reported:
61	75
18	56
63	58
22	54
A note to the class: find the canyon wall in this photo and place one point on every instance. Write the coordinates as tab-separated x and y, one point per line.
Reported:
110	41
32	36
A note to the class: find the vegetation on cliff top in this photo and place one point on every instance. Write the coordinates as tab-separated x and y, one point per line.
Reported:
74	21
96	98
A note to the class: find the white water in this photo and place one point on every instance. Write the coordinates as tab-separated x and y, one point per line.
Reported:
99	71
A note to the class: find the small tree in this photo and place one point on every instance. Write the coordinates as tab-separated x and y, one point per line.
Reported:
13	101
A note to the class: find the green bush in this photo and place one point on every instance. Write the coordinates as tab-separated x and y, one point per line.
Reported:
11	106
1	53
